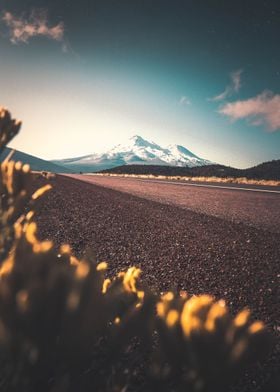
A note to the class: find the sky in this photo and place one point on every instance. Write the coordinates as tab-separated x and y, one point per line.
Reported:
86	75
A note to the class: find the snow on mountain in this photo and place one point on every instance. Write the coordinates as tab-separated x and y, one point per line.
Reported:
136	151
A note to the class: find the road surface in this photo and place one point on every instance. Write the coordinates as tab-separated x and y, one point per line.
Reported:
178	248
257	206
234	256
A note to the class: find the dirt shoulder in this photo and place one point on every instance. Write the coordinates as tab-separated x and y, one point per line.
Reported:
175	248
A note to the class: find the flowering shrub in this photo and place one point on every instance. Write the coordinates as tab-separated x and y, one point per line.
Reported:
202	344
64	326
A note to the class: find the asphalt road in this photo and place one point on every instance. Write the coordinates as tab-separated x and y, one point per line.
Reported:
253	205
231	186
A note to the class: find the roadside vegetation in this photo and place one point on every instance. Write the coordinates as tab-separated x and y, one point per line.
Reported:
267	171
222	180
65	326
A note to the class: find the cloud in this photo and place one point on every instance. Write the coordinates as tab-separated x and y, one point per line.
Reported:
184	101
236	80
21	30
264	109
232	88
221	96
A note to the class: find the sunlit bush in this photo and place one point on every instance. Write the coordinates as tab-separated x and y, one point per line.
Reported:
201	345
64	326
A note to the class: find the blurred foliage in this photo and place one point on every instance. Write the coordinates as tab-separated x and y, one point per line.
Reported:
201	345
64	326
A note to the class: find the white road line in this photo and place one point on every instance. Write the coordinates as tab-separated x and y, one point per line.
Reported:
80	177
212	186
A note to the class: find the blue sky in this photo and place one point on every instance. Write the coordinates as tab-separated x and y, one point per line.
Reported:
86	76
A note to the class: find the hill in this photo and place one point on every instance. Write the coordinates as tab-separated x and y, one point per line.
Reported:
264	171
35	163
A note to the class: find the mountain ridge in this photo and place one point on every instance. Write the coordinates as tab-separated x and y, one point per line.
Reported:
35	163
136	150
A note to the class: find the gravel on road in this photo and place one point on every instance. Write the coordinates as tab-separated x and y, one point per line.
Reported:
258	209
176	249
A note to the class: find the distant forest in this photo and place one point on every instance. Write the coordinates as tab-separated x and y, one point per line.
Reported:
264	171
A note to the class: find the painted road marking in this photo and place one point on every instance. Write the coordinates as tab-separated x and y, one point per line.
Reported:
212	186
82	178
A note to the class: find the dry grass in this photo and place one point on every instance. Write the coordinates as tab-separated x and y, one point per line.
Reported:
226	180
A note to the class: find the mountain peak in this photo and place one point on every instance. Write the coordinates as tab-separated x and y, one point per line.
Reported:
139	141
136	138
138	150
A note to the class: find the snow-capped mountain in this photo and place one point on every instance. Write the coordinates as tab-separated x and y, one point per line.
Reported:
136	151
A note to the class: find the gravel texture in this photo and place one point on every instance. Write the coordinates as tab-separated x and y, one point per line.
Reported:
258	209
176	248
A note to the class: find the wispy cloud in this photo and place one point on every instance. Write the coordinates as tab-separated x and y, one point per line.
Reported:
232	88
264	109
236	80
184	101
21	29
